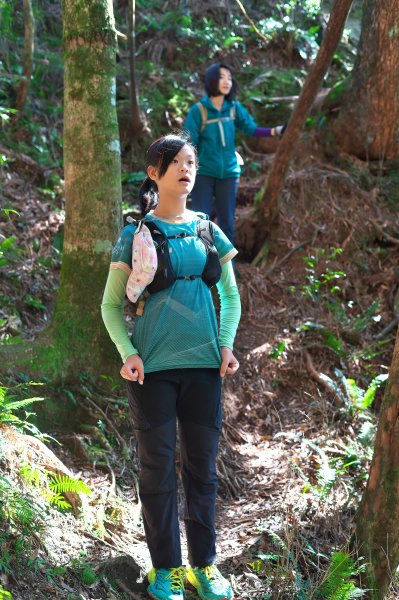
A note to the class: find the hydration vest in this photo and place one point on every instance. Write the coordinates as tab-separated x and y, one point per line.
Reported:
165	275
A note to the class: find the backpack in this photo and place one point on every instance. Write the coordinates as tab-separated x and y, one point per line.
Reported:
154	276
205	121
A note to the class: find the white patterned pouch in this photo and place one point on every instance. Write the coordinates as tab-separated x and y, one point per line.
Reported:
144	263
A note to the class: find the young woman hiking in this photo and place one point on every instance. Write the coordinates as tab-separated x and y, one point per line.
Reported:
173	365
212	123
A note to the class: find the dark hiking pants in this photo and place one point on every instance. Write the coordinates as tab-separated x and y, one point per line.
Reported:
193	398
224	191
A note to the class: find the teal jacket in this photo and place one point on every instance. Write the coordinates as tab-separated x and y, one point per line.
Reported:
215	141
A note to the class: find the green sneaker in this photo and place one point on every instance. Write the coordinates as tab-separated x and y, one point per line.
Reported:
209	583
166	584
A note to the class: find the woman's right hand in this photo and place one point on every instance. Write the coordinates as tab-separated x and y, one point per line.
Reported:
133	369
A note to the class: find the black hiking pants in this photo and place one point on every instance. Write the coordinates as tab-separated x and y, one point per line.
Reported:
192	397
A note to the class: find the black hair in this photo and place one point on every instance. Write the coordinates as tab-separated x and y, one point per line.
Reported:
160	154
212	82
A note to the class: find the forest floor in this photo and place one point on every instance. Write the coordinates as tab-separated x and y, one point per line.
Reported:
296	443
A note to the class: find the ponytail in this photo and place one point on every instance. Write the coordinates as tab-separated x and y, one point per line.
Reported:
148	196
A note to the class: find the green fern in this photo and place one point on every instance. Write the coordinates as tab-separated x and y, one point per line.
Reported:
18	511
60	484
338	584
20	517
57	500
88	576
8	406
32	475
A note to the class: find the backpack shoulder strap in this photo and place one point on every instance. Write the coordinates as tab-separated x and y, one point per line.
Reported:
233	111
203	113
205	231
157	234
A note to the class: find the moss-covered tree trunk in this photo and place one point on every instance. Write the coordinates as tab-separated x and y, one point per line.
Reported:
92	185
377	528
367	125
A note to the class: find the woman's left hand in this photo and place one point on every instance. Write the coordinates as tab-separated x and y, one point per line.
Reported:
229	362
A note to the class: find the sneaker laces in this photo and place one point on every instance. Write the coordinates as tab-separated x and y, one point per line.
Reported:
176	577
212	573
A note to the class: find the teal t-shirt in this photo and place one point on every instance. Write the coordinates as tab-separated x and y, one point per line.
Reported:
178	327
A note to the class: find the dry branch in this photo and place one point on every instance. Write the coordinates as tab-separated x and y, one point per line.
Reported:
384	234
321	380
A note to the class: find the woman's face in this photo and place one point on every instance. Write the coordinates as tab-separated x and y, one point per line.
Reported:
225	81
180	174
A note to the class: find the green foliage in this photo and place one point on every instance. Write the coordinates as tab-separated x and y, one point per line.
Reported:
338	462
363	399
297	20
5	115
330	339
283	568
88	575
57	500
339	582
60	484
355	322
4	595
260	86
52	485
133	177
9	405
20	518
320	276
278	351
9	253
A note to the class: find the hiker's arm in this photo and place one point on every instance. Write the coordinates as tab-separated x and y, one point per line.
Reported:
112	312
262	132
230	306
244	120
247	124
192	124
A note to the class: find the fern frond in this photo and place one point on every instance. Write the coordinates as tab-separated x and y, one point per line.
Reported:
57	500
31	474
338	584
60	484
14	405
278	541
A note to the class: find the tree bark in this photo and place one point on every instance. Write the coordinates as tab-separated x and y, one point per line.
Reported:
92	186
269	206
367	125
136	123
23	88
377	527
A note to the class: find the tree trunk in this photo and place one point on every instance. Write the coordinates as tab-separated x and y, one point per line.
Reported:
92	186
367	125
377	527
268	208
23	88
136	123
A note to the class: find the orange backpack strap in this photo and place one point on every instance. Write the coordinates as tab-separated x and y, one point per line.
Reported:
203	113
